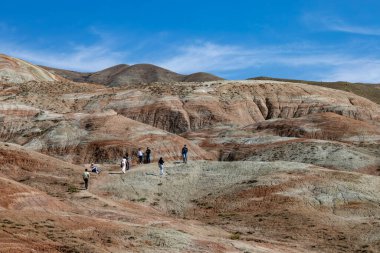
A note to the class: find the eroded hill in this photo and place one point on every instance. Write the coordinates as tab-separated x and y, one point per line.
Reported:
274	166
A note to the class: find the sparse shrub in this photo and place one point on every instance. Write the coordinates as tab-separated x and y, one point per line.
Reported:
235	236
72	189
141	200
226	215
7	221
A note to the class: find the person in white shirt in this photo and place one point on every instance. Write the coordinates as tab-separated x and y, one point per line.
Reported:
140	155
95	168
86	177
123	164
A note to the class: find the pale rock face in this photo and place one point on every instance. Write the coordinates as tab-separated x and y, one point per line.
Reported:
17	110
14	70
62	137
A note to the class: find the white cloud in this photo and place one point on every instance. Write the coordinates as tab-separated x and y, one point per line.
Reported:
82	58
208	57
341	27
317	21
317	61
92	57
356	71
327	65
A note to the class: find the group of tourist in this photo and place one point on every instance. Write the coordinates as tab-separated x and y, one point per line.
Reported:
126	163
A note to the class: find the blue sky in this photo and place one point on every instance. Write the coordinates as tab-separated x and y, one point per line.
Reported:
311	40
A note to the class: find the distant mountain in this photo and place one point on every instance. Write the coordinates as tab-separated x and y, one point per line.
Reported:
13	70
139	73
143	73
369	91
106	76
201	77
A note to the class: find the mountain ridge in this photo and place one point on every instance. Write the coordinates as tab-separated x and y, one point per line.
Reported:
123	74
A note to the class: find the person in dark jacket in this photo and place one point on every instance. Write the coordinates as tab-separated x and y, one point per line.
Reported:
184	154
161	166
147	155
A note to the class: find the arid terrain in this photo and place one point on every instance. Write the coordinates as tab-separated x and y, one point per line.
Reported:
274	165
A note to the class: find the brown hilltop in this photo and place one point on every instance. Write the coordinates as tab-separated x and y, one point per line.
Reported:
107	76
143	73
123	74
200	77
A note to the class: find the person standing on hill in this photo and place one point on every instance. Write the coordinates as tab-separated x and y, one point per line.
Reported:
123	164
86	177
161	166
140	155
184	153
128	161
147	155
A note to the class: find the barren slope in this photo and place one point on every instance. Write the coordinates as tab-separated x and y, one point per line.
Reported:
13	70
44	209
296	207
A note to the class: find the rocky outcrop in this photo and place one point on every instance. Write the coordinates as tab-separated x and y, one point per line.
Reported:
368	90
324	126
14	70
105	138
192	106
